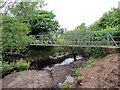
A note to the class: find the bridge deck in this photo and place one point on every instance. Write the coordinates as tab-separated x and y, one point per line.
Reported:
74	45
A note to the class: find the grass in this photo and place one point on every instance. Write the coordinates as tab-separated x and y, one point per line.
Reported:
65	85
87	63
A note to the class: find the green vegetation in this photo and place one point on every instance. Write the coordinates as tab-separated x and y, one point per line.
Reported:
22	64
65	85
5	66
19	64
48	51
88	63
42	22
77	74
15	40
110	21
19	22
22	20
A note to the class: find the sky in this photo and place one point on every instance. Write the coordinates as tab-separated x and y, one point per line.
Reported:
71	13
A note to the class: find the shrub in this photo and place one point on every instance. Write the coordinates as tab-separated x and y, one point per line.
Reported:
22	64
5	65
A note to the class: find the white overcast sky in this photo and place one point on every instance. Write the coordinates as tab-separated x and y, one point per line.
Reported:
71	13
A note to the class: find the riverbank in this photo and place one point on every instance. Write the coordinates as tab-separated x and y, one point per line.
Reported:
40	78
39	64
53	59
103	73
57	74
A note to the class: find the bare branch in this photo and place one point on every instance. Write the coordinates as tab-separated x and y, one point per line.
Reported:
9	7
10	21
2	6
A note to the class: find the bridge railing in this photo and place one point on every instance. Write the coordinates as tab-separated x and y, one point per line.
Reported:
111	38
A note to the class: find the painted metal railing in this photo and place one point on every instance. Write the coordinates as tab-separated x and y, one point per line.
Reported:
109	39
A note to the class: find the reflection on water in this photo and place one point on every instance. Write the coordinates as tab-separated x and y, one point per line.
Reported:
66	61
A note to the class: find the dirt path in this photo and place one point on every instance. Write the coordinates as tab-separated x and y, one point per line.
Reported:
102	74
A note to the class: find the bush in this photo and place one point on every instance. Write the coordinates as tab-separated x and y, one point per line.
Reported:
15	40
95	52
22	64
5	65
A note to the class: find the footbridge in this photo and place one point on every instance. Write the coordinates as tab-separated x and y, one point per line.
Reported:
110	39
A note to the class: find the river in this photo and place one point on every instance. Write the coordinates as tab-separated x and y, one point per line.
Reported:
65	62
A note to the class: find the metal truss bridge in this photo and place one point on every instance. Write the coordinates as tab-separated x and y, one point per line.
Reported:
109	39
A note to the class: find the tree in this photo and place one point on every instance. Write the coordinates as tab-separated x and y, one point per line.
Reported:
21	21
14	30
15	39
24	8
19	10
109	19
81	27
42	22
7	6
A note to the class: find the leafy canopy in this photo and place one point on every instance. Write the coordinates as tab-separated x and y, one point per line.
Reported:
42	22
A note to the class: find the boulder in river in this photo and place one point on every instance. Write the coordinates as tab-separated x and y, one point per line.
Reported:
76	64
59	73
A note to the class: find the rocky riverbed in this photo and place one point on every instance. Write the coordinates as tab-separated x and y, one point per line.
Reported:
40	78
40	63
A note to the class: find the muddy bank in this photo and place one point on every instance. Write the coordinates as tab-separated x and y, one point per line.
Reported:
104	73
40	78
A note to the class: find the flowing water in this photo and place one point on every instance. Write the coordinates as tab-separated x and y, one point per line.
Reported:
65	62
